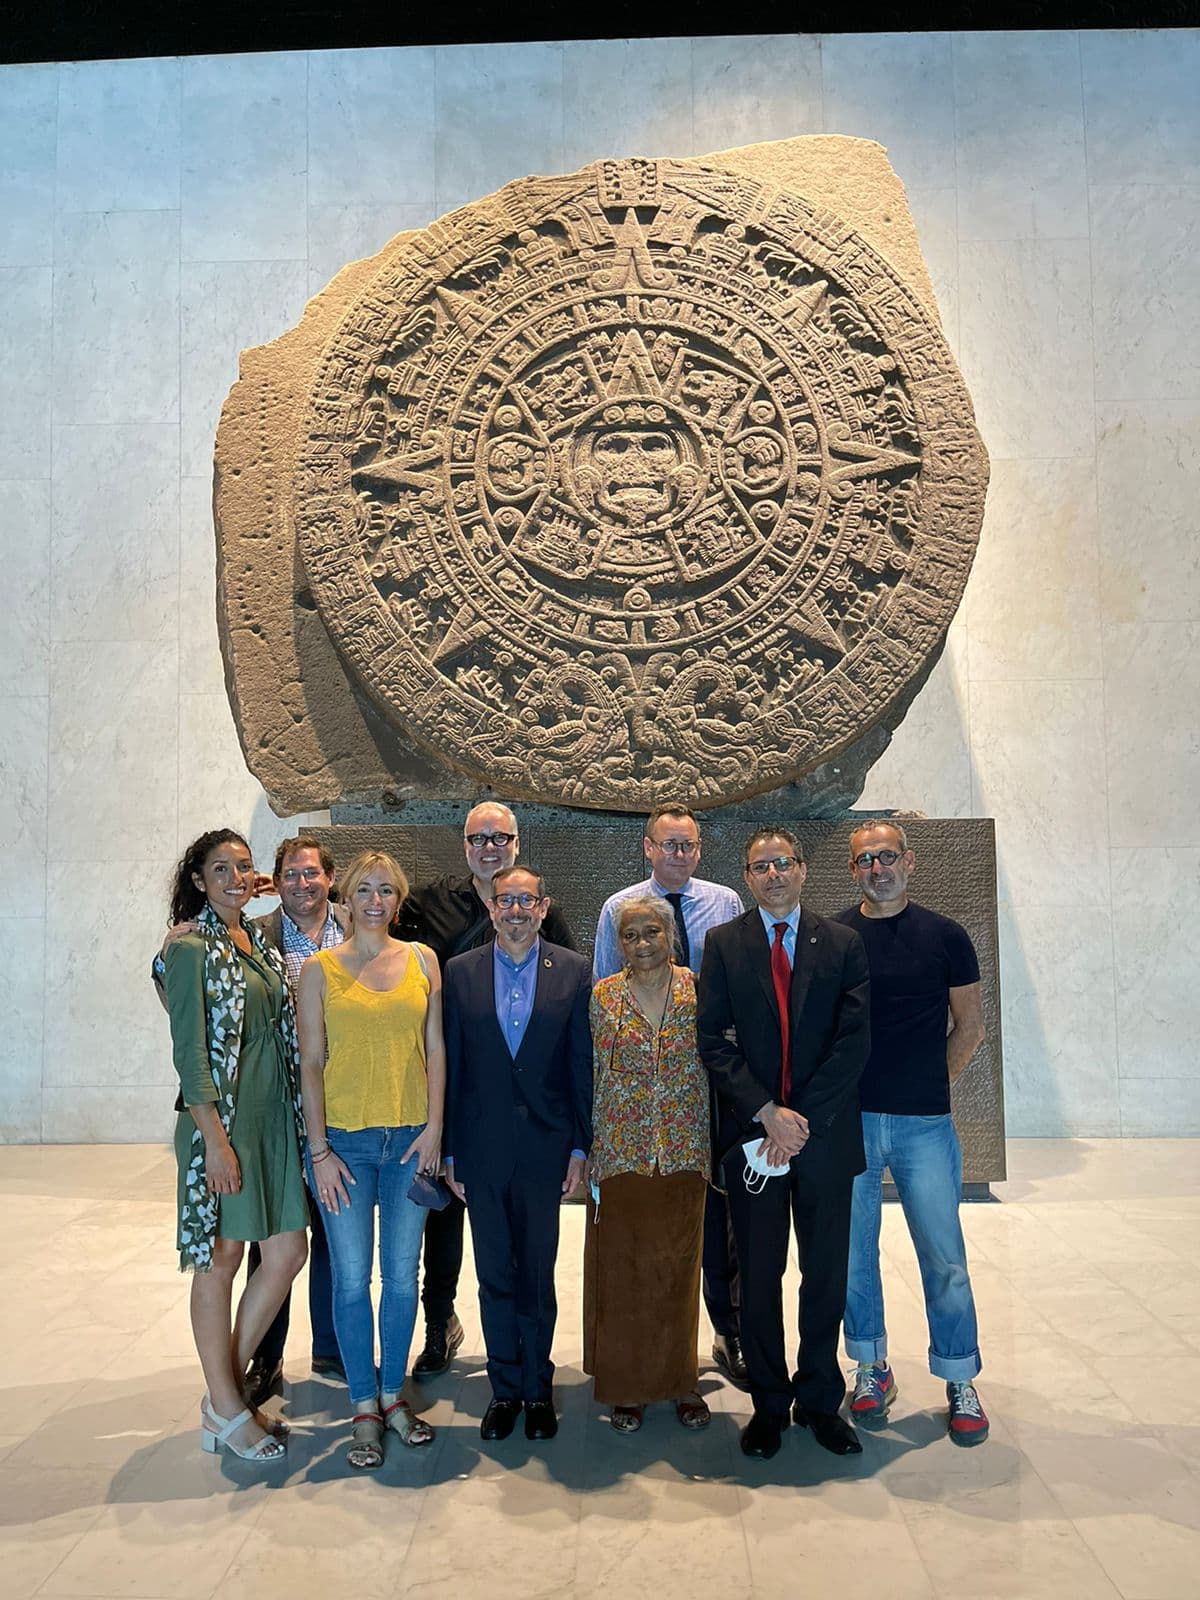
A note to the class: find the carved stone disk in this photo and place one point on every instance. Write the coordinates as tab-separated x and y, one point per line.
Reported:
649	480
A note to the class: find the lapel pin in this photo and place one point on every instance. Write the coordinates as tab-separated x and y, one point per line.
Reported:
547	962
813	940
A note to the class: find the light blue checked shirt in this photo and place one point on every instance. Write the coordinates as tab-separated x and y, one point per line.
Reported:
705	905
297	946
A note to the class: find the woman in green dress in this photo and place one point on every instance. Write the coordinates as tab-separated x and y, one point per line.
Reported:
239	1129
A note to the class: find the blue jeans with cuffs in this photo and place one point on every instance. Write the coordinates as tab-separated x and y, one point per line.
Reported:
925	1161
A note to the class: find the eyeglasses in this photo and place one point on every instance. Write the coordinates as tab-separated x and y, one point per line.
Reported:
676	847
478	840
885	858
632	936
507	901
781	864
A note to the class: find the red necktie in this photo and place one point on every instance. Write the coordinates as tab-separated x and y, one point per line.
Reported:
781	977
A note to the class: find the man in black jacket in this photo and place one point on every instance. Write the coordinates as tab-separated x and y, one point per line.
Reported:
451	916
783	1029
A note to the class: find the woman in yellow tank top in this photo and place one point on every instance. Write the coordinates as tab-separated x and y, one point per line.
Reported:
373	1075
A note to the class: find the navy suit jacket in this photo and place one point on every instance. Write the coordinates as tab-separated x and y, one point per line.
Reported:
737	1028
524	1115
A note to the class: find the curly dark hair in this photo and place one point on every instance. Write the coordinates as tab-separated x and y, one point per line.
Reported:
186	899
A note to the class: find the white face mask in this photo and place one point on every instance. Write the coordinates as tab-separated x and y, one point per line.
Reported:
757	1171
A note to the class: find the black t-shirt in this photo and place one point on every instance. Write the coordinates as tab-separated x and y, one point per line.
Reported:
915	958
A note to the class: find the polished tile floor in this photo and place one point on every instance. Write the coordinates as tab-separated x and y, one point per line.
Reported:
1087	1273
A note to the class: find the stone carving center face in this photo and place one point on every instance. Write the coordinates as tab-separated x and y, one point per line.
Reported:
642	481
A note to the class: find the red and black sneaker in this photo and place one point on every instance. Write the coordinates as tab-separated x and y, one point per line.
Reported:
874	1390
968	1420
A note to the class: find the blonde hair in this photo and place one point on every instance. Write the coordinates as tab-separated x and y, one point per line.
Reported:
372	861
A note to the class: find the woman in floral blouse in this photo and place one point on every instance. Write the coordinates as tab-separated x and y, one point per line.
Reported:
649	1167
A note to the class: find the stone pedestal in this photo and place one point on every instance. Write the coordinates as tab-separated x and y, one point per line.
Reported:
585	856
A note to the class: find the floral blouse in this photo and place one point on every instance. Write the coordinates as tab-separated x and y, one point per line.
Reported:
651	1093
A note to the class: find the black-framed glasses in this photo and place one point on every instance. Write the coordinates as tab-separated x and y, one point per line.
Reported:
526	901
885	858
676	847
780	863
478	840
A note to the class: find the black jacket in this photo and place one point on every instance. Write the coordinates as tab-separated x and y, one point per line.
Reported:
737	1027
528	1114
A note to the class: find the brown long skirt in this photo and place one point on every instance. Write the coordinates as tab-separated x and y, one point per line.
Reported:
641	1287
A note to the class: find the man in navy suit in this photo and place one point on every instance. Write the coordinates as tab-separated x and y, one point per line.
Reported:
518	1130
783	1024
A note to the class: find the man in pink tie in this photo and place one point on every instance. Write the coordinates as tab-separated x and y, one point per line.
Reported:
783	1027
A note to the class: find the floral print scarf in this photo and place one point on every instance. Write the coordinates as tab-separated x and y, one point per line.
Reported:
224	1005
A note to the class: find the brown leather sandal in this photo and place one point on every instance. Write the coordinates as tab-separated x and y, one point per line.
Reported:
692	1411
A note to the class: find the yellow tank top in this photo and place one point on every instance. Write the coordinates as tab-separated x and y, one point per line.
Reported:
375	1063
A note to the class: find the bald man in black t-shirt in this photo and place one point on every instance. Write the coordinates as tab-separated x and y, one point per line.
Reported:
926	1024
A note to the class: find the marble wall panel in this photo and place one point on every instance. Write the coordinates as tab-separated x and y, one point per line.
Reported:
113	751
215	789
116	317
25	563
338	234
115	489
370	126
1154	894
897	88
1060	1044
25	343
1063	729
21	1049
225	307
761	86
22	883
499	116
1151	691
201	670
89	1040
625	97
1148	487
244	158
1039	769
108	1114
1160	1108
1025	344
28	132
935	212
927	766
1033	601
24	724
118	136
1018	113
1144	286
1139	97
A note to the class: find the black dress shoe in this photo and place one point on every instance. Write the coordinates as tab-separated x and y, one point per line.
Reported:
763	1434
442	1339
328	1367
727	1353
499	1419
540	1420
263	1379
831	1432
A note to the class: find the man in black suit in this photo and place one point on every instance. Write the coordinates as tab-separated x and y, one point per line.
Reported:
783	1028
518	1130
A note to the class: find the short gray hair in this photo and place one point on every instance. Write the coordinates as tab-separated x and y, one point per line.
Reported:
880	822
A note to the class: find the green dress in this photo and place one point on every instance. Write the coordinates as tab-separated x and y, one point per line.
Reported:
271	1199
